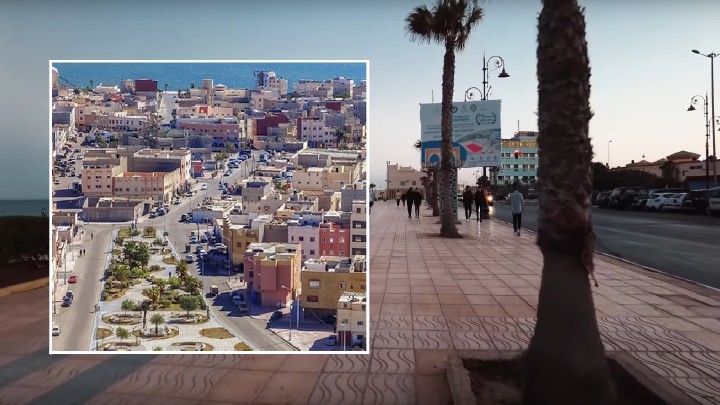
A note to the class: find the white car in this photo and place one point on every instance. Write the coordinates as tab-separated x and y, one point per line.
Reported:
714	201
204	186
674	202
655	201
56	330
189	259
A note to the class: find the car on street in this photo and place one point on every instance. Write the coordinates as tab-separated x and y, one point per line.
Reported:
153	214
655	201
193	239
695	201
69	294
673	203
189	259
331	340
227	174
603	199
237	298
204	186
176	202
66	302
714	201
56	330
73	279
183	217
623	197
275	316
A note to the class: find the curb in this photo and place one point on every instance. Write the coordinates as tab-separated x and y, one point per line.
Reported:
23	287
626	261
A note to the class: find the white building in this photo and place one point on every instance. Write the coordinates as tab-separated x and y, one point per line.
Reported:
351	318
342	85
400	179
358	228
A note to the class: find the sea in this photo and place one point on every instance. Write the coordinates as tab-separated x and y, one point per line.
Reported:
238	75
33	208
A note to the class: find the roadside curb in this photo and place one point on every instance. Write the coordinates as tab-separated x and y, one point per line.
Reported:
23	287
626	261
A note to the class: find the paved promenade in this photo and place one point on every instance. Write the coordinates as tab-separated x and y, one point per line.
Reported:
430	297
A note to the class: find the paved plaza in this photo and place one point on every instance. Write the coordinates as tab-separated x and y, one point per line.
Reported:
430	298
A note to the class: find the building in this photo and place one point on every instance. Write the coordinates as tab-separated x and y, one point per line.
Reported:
401	178
334	241
352	318
221	129
326	279
307	235
687	168
159	186
238	238
358	230
272	272
343	87
322	178
523	169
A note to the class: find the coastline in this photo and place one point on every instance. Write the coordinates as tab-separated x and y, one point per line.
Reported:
21	237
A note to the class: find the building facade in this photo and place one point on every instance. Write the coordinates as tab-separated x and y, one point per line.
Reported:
400	179
358	230
523	169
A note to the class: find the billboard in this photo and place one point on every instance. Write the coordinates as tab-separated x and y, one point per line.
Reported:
476	134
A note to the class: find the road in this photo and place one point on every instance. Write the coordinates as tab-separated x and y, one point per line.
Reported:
681	245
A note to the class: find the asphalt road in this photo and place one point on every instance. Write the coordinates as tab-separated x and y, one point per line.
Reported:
674	243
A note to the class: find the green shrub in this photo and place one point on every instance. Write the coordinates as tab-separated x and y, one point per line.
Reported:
155	267
174	282
164	302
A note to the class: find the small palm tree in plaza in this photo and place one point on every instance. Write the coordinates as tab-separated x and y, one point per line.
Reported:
122	334
565	362
156	320
448	23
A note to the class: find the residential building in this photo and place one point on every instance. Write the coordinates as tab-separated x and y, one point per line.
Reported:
401	178
308	236
688	168
523	169
272	272
351	318
334	241
160	186
358	230
238	238
343	87
322	178
224	129
326	279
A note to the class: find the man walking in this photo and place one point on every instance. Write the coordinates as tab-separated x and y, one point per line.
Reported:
481	204
405	196
516	206
398	200
417	200
467	197
409	196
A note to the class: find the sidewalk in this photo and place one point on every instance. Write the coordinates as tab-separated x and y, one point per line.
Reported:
429	298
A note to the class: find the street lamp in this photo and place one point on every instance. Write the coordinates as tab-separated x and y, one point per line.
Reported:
297	314
694	101
485	92
608	162
712	96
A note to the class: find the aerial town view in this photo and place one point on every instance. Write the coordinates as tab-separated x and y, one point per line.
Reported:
209	207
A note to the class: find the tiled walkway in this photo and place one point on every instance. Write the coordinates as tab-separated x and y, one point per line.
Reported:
429	297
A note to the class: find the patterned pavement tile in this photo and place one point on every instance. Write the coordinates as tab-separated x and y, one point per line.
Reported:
423	289
499	324
431	361
262	362
489	311
707	362
169	381
389	389
342	363
432	390
648	341
668	365
251	383
465	324
423	339
290	388
395	309
472	340
307	363
510	341
339	388
397	289
520	311
711	324
481	299
402	322
392	361
424	322
708	340
705	390
391	339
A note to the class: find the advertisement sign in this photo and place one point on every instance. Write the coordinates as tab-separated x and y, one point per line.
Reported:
476	134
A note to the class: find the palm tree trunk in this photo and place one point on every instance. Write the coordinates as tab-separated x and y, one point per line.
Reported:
447	227
565	362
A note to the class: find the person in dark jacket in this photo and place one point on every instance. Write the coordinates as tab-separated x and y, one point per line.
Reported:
404	196
467	196
410	197
417	200
481	204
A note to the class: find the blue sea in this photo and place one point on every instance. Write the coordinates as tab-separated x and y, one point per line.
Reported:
181	75
32	208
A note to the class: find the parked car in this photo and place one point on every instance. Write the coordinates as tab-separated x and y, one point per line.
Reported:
673	203
73	279
69	295
714	201
695	201
66	302
189	258
623	197
56	330
153	214
655	201
193	239
275	316
204	186
603	199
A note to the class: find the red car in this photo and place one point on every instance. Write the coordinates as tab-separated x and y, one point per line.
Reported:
72	279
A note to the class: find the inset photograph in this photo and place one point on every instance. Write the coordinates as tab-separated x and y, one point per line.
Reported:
208	206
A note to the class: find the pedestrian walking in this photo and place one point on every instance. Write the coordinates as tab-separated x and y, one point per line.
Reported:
516	206
417	200
409	196
398	200
91	236
372	199
404	196
467	197
481	204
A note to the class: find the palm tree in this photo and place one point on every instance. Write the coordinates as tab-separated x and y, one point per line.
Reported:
449	23
122	333
154	294
156	320
565	362
128	305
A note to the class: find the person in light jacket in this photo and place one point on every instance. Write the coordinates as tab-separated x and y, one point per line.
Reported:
516	206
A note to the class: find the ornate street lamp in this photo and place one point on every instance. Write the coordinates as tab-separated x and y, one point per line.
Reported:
712	57
487	89
693	102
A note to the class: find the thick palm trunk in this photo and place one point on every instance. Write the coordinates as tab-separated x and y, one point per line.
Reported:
447	228
565	362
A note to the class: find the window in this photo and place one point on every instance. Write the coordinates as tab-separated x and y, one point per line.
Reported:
311	284
358	211
332	240
342	240
312	239
341	285
363	307
312	252
301	238
362	287
312	298
360	323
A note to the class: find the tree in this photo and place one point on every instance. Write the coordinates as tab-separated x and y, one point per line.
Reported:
192	285
483	182
156	320
670	172
565	362
189	303
181	269
122	333
449	23
128	305
137	254
154	294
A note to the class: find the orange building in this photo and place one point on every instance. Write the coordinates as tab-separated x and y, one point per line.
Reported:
272	271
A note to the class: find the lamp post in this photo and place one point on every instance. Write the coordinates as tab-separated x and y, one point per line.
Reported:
297	316
608	162
485	92
693	102
712	97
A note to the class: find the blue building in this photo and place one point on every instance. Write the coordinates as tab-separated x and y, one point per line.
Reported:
524	168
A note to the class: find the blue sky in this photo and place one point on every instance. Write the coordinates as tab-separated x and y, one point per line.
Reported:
643	71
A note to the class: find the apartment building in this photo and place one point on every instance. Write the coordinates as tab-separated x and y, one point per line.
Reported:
326	279
238	238
308	236
400	179
334	241
160	186
525	167
352	318
316	132
272	272
226	129
343	87
358	230
322	178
